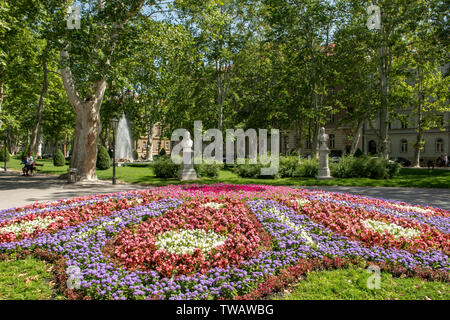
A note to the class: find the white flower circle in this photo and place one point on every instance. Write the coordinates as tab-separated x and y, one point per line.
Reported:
187	241
394	229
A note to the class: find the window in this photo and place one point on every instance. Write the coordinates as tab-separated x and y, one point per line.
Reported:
404	146
144	145
404	125
167	145
439	145
331	142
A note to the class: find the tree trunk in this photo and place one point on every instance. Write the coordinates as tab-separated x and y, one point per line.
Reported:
39	140
87	125
316	127
384	92
37	120
1	100
87	129
356	137
419	142
220	95
149	151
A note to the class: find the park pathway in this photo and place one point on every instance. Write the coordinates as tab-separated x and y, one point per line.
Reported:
17	191
435	197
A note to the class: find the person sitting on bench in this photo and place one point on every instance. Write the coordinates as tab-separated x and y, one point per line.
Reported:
24	169
29	166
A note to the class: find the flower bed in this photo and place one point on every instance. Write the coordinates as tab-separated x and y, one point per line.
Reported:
222	241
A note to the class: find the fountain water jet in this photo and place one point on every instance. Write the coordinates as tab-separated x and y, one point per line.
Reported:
124	146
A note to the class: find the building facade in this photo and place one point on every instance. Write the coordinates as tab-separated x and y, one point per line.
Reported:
403	136
142	145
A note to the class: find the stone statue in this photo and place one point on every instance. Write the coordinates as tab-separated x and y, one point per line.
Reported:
323	139
324	170
187	171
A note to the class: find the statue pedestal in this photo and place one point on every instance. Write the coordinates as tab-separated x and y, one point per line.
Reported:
324	170
187	171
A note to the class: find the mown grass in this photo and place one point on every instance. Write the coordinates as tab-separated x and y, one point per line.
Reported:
26	279
351	284
419	178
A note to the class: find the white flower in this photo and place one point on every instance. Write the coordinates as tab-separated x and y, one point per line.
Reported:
283	218
395	230
29	226
187	241
301	202
213	205
414	209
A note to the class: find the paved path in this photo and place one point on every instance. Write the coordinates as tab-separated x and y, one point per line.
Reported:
16	191
435	197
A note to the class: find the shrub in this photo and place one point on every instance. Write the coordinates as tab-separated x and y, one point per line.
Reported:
364	167
2	155
347	168
103	159
393	169
208	170
135	155
288	166
307	168
58	159
164	167
248	170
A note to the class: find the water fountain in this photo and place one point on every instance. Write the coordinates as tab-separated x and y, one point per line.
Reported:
124	145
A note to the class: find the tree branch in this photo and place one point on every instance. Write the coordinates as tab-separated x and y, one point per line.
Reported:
69	86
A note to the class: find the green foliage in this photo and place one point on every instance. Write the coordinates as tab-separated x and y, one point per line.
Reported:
135	155
248	170
289	166
206	170
2	155
103	159
164	167
364	167
58	159
351	284
393	169
307	168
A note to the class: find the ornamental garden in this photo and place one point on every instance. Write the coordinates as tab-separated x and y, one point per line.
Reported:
222	241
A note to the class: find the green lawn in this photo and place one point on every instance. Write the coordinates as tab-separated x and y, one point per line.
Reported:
420	178
351	284
28	279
